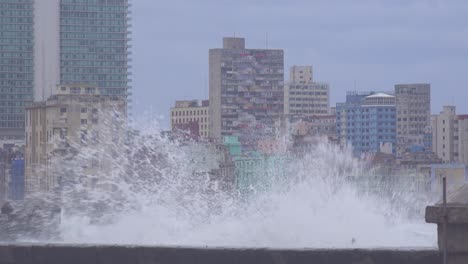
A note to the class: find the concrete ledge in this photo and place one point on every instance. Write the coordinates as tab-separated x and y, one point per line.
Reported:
94	254
455	214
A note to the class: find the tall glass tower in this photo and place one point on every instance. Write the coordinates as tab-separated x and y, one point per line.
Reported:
16	65
93	44
82	41
45	43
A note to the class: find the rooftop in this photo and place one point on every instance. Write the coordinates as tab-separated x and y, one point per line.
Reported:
383	95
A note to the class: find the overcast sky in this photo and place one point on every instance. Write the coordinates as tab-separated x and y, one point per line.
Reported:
352	45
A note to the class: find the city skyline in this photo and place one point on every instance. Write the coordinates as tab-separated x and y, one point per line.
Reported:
350	47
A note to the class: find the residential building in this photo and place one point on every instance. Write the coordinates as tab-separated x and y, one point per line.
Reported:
366	121
450	136
246	90
413	104
16	65
191	116
303	96
75	116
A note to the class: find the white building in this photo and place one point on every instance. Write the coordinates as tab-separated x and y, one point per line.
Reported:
450	136
303	96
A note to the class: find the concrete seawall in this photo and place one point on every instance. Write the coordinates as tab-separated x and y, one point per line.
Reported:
90	254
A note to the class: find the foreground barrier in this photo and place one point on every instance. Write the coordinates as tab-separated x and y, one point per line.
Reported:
90	254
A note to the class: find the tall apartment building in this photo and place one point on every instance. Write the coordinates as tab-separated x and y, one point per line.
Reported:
16	65
246	89
303	96
450	136
191	116
413	104
367	122
52	42
75	115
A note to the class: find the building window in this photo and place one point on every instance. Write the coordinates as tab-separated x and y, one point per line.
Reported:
84	110
84	121
75	90
63	110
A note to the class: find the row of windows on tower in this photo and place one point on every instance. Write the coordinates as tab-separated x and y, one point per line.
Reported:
94	15
187	120
367	117
190	112
308	93
64	110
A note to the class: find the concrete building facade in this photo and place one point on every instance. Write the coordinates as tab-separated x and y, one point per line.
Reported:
76	115
16	65
186	113
301	74
450	136
367	122
303	96
413	104
246	88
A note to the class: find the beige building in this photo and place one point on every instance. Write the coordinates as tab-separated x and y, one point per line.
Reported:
191	116
450	136
303	96
413	106
75	116
456	175
301	74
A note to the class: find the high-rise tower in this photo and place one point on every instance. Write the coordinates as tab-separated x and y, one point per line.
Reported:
246	88
45	43
82	41
16	65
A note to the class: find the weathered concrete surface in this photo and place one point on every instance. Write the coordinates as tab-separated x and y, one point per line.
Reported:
456	211
452	225
455	214
87	254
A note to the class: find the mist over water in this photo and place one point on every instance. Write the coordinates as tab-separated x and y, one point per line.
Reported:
155	191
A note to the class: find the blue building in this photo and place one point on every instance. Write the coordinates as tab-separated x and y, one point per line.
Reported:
16	185
367	122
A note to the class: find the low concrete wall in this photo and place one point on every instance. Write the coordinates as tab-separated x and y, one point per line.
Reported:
88	254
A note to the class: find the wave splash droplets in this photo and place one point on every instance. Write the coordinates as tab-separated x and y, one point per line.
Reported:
158	192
